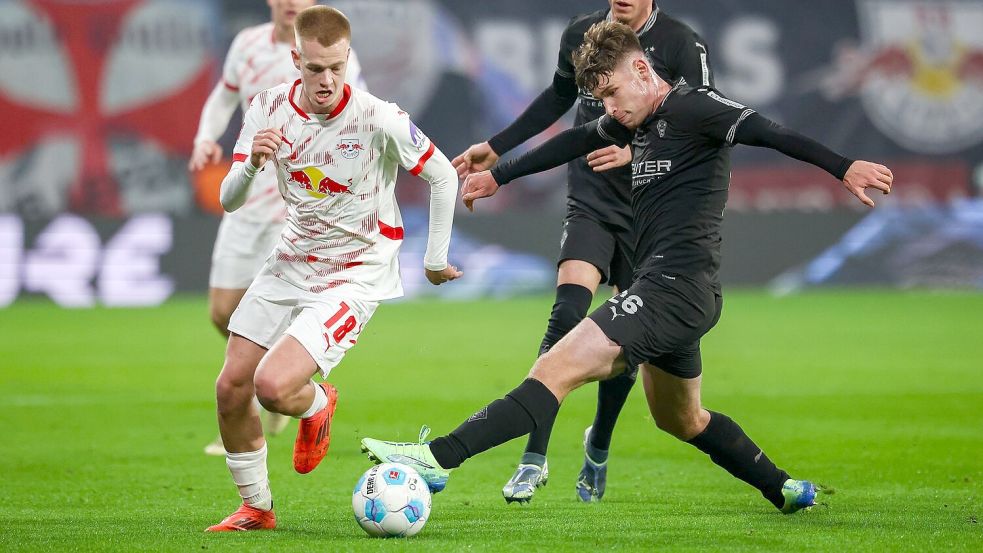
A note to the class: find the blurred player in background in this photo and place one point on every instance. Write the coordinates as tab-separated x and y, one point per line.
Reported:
597	244
258	59
681	138
334	151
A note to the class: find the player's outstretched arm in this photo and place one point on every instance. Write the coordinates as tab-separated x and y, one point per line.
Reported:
215	117
545	110
857	176
562	148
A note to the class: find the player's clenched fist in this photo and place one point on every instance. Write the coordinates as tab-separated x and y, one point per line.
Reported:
448	274
864	174
478	157
478	185
265	144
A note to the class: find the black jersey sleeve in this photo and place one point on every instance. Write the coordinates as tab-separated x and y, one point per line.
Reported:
564	147
708	113
552	103
690	60
545	110
757	130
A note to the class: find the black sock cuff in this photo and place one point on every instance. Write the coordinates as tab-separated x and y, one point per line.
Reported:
576	295
717	420
533	396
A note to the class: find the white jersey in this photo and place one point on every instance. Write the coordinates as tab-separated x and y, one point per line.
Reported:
337	173
254	63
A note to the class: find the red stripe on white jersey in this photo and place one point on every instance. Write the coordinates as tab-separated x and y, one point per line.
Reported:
290	97
423	161
345	96
239	157
392	233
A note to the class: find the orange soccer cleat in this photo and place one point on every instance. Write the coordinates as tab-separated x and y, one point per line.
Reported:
314	434
246	518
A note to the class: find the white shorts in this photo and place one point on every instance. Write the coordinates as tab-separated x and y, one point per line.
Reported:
241	249
326	325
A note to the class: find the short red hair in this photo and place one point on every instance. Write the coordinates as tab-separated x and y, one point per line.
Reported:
324	24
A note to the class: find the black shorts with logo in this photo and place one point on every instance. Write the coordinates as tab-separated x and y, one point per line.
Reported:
660	319
604	246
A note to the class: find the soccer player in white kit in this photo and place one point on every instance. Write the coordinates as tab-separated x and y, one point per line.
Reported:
259	58
335	151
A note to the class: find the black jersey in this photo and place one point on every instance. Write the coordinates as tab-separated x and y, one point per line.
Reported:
680	177
675	51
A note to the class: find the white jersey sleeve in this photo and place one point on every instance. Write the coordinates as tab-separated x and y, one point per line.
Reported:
230	70
217	113
413	150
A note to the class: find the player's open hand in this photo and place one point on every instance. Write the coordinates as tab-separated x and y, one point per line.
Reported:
609	157
265	144
863	175
478	157
448	274
204	152
478	185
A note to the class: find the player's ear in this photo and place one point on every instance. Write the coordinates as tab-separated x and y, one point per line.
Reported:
641	69
295	56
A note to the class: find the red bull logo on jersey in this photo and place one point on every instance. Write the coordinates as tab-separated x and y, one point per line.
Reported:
349	148
918	72
317	184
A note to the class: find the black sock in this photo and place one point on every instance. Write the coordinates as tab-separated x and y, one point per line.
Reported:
611	397
519	412
728	446
570	307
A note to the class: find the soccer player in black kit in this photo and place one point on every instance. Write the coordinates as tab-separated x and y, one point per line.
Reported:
681	138
597	244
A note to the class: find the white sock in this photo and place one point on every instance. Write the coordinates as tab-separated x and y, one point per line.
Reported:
250	475
320	402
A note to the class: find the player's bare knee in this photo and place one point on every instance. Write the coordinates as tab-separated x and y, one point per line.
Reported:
683	426
560	372
271	391
231	393
220	319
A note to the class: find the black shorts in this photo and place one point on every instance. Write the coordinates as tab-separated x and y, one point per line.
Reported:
660	319
605	247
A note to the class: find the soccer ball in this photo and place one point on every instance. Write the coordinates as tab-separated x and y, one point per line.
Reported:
391	500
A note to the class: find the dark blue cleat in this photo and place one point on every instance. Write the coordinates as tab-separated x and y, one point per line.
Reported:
593	477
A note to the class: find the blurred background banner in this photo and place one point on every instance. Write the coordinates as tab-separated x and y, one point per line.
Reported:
100	102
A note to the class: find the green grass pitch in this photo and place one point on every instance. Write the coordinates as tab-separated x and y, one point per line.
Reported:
878	396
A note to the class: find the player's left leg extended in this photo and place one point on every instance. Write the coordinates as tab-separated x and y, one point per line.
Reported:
584	355
675	404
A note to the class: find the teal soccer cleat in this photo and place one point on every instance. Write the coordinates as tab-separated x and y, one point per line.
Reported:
523	484
416	455
799	494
